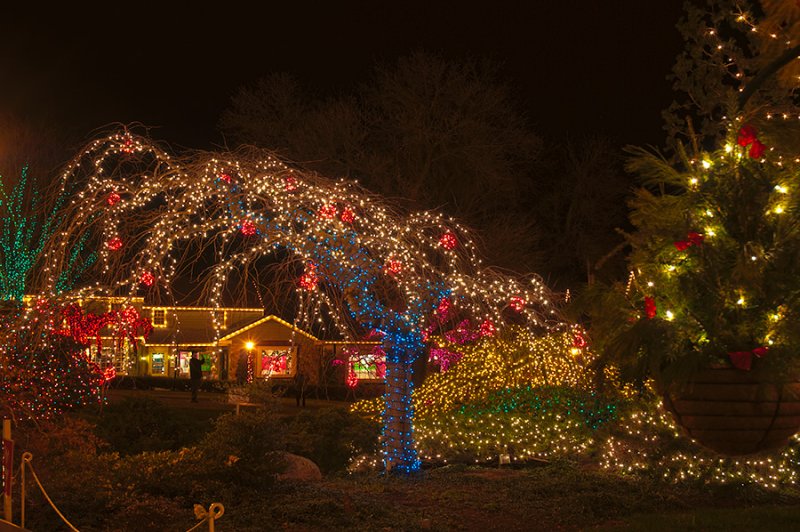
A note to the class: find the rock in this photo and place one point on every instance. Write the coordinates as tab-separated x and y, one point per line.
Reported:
299	468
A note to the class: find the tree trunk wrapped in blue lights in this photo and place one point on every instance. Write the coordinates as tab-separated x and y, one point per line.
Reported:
400	453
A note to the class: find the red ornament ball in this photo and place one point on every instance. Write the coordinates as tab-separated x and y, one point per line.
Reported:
114	244
517	303
248	228
487	328
443	309
309	279
225	177
290	183
579	341
448	241
394	267
328	211
127	145
147	279
109	373
113	199
348	216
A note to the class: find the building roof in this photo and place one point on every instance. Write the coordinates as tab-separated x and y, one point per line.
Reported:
265	319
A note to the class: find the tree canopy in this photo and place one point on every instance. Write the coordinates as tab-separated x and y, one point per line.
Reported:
433	133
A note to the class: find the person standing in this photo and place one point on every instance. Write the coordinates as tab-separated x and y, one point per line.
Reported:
300	387
195	375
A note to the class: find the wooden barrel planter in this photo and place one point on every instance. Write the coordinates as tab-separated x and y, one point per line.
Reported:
733	413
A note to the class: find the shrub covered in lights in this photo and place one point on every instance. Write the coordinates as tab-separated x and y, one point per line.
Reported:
523	423
516	393
514	358
42	381
644	441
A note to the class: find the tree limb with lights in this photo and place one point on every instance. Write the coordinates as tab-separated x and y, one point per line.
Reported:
353	263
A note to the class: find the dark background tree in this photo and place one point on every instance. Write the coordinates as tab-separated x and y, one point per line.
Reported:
427	132
724	59
581	203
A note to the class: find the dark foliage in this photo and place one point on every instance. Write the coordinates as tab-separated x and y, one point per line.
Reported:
331	437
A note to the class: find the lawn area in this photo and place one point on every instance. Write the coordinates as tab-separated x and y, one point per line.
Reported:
141	480
560	496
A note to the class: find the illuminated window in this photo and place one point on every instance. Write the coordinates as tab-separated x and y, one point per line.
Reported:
158	364
276	362
159	317
182	363
368	365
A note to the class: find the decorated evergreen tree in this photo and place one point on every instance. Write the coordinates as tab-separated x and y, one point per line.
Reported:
714	264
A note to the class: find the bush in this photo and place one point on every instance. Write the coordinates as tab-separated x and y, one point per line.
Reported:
331	437
148	382
77	478
246	446
180	475
524	423
135	425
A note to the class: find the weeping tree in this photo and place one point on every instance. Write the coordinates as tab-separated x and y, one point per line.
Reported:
352	261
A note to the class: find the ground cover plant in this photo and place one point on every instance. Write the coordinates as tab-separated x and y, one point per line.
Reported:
157	490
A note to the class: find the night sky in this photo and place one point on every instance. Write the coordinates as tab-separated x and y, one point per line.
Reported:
578	68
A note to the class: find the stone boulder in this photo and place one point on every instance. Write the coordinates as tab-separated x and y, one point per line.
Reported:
299	469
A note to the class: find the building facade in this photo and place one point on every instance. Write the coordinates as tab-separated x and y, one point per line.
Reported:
235	344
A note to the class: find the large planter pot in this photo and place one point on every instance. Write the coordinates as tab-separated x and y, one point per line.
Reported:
733	413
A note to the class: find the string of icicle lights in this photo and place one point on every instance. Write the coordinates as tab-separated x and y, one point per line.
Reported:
353	261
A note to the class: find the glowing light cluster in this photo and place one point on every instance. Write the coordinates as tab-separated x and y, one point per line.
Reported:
647	442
